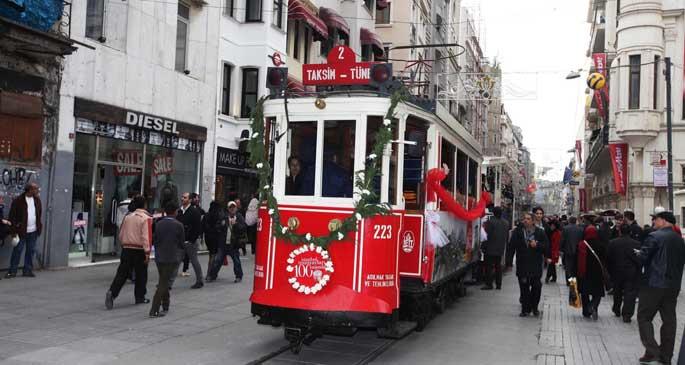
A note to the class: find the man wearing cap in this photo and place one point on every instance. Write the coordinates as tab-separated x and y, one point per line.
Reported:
663	257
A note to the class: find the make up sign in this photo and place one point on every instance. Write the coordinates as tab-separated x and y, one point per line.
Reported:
341	69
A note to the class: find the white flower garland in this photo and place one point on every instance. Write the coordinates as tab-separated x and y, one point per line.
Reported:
323	280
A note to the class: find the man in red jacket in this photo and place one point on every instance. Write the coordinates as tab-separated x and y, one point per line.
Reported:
25	215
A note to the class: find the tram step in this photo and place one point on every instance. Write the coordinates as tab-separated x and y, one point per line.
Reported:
398	330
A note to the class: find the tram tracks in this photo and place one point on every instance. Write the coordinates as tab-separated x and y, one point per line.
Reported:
360	349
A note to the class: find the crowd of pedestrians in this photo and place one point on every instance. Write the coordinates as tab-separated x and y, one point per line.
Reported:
605	254
175	237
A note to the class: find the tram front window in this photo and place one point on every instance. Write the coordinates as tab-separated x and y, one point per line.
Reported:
373	125
301	159
338	158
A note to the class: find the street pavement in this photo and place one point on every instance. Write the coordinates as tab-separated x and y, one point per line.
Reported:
59	318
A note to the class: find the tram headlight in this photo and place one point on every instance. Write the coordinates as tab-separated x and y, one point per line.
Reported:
334	225
293	223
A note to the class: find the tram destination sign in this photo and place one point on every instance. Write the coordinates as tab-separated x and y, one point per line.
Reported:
341	69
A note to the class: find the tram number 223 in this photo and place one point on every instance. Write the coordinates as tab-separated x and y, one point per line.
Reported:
382	232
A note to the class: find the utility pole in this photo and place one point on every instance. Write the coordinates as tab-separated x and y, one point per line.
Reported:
669	132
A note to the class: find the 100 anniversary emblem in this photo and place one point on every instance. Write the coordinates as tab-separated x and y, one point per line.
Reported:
311	268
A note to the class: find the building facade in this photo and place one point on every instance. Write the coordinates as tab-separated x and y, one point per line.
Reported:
34	44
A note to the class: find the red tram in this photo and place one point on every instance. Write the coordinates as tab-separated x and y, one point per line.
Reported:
404	266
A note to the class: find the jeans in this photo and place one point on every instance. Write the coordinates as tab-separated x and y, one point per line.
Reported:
131	258
190	250
162	293
493	262
531	289
625	293
664	301
30	242
234	253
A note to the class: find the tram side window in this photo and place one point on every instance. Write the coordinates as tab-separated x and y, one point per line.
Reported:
414	165
473	178
447	151
374	123
301	159
462	178
338	158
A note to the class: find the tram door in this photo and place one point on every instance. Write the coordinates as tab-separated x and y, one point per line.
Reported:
415	160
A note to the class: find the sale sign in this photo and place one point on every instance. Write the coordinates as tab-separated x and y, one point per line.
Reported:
129	157
341	69
162	165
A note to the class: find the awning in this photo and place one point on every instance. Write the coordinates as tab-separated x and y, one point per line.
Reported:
334	20
299	11
295	85
368	37
382	4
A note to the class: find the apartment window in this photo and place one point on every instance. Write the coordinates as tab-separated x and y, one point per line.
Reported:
278	14
634	84
369	4
230	6
307	45
367	53
95	17
182	21
253	11
296	41
383	15
249	91
226	89
655	101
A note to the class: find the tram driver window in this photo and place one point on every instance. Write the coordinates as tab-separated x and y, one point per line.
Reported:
338	158
414	165
374	123
301	159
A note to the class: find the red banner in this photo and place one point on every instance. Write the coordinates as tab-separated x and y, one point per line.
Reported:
619	163
600	62
582	199
579	151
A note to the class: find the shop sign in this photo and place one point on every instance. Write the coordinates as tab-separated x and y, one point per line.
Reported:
341	69
619	164
660	176
162	165
231	159
129	157
149	122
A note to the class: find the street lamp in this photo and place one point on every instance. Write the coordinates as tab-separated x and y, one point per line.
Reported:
573	74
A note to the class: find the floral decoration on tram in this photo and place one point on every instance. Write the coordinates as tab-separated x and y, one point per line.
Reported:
311	267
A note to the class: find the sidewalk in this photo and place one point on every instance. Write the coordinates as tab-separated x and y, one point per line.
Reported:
59	318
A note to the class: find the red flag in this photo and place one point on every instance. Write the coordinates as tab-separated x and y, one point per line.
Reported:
619	164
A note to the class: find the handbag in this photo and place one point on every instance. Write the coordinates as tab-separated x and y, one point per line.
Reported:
12	239
605	273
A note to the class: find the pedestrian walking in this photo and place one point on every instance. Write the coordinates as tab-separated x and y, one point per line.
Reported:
624	271
251	218
553	252
663	256
214	223
169	237
25	215
529	244
190	215
570	236
497	232
636	232
135	236
236	228
591	271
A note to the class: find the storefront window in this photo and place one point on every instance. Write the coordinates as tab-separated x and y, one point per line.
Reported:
301	158
120	151
338	158
168	174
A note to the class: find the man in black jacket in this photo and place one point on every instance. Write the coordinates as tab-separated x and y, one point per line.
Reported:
624	270
529	243
236	228
191	217
497	230
636	232
169	238
663	257
570	236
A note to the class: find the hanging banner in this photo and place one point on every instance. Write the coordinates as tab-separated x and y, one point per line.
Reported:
660	176
601	96
619	163
582	198
579	151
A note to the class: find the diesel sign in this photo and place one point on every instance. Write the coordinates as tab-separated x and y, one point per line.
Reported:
152	123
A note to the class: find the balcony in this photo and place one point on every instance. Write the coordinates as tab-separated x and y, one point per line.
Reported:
597	151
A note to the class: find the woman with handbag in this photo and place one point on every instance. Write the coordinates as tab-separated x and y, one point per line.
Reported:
591	271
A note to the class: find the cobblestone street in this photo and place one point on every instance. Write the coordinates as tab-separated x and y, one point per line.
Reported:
59	318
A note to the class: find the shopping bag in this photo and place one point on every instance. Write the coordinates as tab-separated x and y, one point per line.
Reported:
573	295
